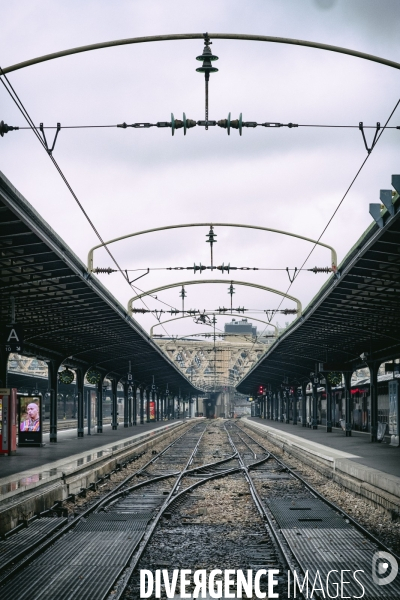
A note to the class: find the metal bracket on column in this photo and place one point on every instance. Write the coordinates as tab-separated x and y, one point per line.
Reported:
375	212
144	274
361	128
396	183
385	197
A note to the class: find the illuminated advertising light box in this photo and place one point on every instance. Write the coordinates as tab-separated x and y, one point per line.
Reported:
152	406
30	421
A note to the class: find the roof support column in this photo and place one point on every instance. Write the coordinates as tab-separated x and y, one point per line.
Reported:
52	370
295	399
147	405
280	397
80	384
286	396
173	407
133	419
328	389
161	401
348	402
304	404
373	373
130	401
100	405
126	404
114	410
89	411
157	399
3	367
141	404
314	416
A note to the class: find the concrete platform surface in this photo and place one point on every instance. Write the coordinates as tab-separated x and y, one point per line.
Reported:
369	470
336	445
31	467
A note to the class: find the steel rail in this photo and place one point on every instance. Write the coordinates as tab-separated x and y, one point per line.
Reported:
209	224
41	545
197	36
132	488
136	554
193	486
261	509
331	504
202	281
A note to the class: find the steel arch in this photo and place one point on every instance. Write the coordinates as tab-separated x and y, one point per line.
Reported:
209	224
197	36
200	281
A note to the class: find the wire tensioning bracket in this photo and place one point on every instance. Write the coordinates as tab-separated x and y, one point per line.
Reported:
291	277
49	150
361	128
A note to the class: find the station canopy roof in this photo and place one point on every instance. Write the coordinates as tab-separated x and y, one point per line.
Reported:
354	314
65	312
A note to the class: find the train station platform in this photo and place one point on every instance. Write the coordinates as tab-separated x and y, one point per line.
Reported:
370	470
35	477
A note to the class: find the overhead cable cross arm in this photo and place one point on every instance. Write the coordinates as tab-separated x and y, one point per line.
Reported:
90	259
213	281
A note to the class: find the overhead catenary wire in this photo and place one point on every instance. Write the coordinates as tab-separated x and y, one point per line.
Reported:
116	126
215	269
22	109
14	96
339	204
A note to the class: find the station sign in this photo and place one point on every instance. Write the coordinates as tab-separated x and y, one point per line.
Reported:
13	338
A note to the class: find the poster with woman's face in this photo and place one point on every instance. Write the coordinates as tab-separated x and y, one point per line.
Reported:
29	413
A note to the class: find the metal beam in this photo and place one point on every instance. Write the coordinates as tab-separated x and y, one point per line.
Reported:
224	281
209	224
197	36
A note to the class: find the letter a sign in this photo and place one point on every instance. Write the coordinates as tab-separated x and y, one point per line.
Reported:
13	338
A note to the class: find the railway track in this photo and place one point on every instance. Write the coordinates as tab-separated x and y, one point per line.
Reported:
173	513
310	530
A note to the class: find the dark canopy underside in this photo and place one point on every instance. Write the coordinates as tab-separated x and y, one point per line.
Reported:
65	312
357	313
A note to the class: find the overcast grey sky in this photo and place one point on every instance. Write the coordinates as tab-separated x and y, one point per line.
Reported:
129	180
